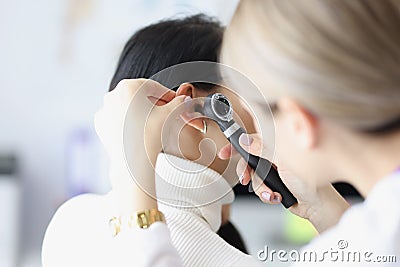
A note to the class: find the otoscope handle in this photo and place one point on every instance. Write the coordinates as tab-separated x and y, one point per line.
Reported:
264	170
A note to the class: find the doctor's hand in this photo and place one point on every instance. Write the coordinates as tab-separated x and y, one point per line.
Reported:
138	107
129	125
313	202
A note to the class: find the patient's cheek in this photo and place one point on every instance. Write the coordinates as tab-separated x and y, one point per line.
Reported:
183	143
186	142
208	152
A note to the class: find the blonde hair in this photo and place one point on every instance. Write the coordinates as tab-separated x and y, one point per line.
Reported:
340	59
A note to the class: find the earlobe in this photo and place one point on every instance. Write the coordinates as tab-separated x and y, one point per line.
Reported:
301	121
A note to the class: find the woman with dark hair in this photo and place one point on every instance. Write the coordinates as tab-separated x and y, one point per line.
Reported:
168	43
149	51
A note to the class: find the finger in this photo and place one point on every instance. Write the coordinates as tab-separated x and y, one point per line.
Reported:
243	171
188	116
154	91
193	119
249	173
163	99
158	94
160	101
227	152
252	143
265	194
158	91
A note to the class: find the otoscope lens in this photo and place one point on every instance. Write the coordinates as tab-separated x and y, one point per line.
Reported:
222	106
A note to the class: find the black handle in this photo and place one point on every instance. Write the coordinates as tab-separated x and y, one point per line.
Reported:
264	170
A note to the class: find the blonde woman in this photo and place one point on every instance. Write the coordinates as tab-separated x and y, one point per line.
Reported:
331	71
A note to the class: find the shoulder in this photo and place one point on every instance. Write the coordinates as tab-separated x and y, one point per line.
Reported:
79	210
78	217
80	204
75	210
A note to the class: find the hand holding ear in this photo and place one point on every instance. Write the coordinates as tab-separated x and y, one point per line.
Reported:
136	109
129	125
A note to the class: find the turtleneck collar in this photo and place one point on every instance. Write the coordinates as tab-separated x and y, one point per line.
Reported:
186	185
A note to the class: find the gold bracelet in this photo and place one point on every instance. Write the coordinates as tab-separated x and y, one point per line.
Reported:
141	219
146	218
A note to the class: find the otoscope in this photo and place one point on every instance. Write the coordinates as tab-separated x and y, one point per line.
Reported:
218	108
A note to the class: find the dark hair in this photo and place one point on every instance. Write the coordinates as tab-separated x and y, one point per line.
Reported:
167	43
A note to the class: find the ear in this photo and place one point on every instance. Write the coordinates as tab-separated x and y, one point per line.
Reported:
194	120
186	89
302	122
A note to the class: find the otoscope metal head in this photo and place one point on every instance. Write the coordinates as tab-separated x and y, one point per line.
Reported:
218	108
221	107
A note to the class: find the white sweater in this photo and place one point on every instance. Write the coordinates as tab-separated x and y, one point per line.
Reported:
78	234
190	195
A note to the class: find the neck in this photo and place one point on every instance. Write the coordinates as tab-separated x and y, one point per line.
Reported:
365	159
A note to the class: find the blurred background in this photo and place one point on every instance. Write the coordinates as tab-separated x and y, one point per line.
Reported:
57	58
